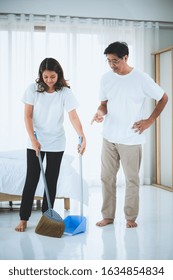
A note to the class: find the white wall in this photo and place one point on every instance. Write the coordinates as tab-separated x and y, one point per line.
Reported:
165	37
156	10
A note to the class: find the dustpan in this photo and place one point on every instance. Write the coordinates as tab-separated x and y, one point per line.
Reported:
51	223
75	224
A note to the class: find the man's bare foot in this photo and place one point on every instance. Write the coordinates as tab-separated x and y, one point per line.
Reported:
21	226
131	224
104	222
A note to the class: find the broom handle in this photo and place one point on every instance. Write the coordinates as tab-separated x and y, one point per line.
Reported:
44	181
81	178
44	178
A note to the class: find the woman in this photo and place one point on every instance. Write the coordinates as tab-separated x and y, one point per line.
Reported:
45	102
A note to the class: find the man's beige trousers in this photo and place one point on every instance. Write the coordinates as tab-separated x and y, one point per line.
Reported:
130	157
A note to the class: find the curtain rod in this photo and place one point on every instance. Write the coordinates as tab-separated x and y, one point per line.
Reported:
43	17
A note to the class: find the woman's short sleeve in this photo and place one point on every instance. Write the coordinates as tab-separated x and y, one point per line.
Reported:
70	102
29	95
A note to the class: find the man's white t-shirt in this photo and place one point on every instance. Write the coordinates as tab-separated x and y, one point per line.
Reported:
48	116
126	95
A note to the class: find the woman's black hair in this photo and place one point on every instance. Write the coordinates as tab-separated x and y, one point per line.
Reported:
50	64
118	48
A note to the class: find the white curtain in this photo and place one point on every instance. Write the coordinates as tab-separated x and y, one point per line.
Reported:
78	44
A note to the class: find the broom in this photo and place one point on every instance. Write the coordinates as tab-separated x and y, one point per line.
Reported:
51	224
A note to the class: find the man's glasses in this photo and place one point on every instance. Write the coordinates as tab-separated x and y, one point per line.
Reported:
113	61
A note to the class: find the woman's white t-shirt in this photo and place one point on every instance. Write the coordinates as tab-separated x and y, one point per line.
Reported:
126	96
48	116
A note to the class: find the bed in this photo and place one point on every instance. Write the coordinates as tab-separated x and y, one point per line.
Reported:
12	178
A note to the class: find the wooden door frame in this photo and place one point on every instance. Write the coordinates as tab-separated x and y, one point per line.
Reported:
157	123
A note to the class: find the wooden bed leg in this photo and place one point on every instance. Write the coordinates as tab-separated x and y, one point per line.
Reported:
11	205
38	203
66	203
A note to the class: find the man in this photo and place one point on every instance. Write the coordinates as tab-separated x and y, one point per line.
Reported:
122	94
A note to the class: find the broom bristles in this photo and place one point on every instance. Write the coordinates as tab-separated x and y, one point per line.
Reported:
50	227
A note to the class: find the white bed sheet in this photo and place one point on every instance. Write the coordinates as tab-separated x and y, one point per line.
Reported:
13	171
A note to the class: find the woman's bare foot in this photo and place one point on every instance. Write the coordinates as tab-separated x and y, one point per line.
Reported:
21	226
104	222
131	224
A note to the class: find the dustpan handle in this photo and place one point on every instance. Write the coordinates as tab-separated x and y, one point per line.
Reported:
81	178
44	177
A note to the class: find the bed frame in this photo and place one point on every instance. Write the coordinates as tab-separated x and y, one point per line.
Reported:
11	198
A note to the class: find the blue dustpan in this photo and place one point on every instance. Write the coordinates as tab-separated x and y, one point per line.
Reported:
75	224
